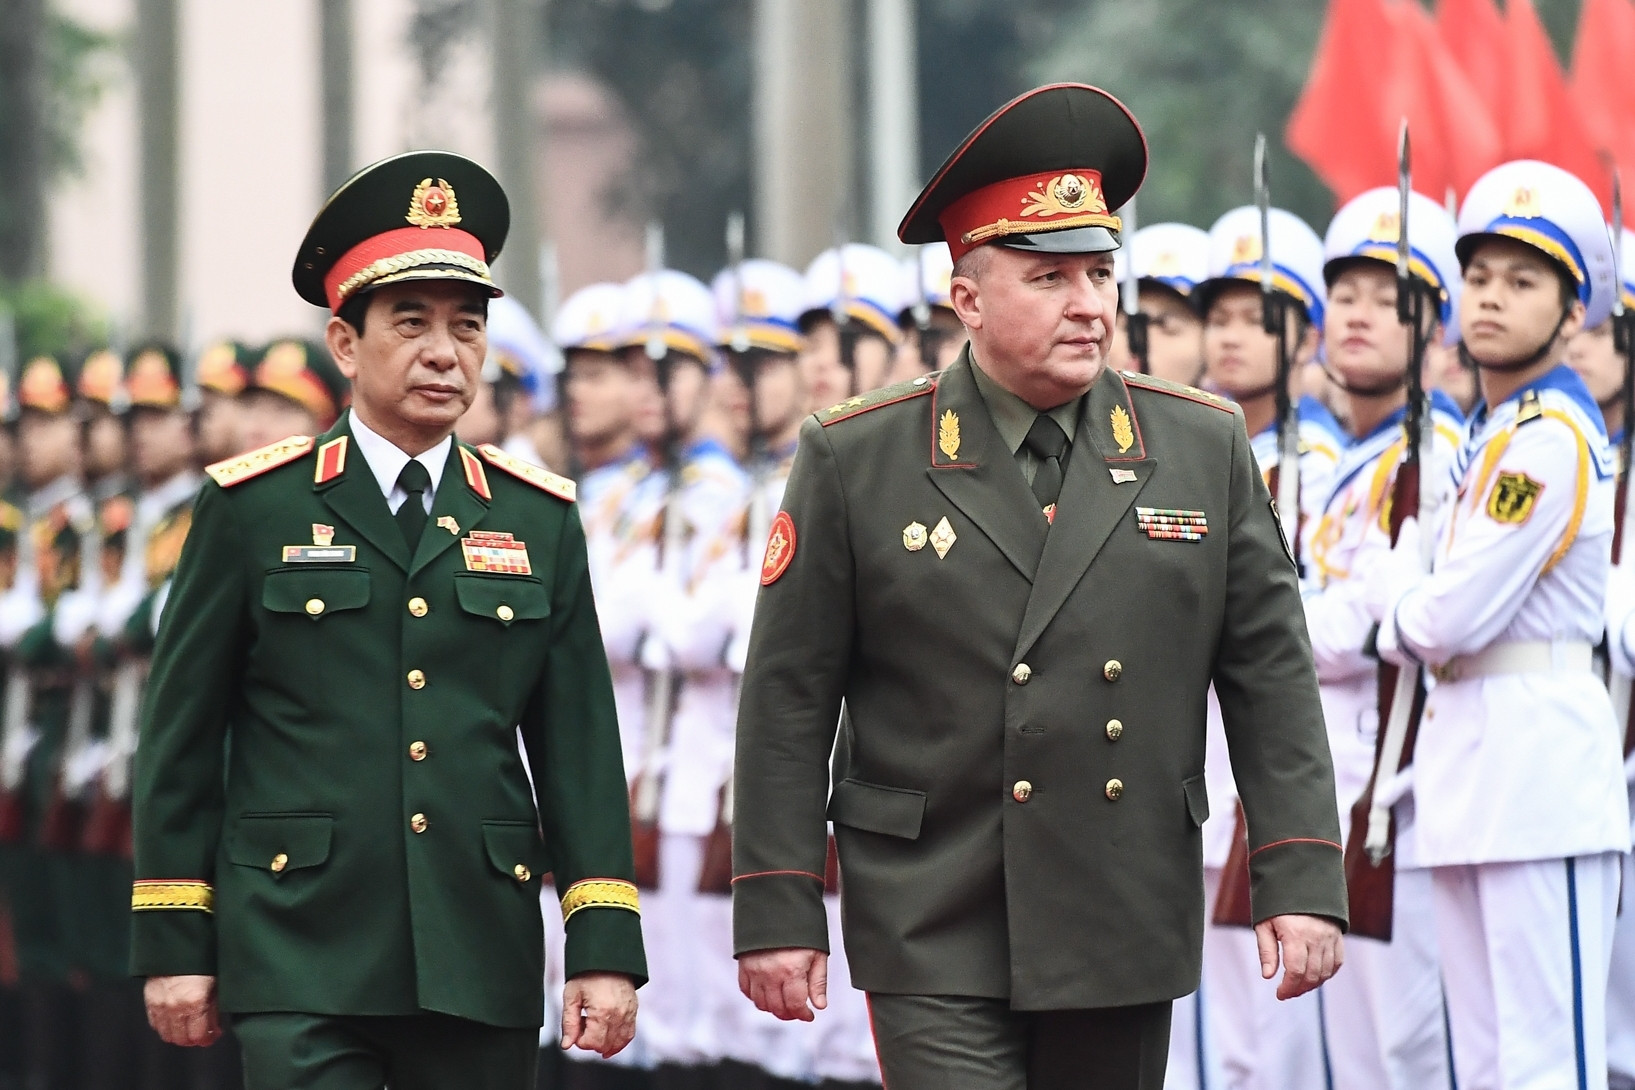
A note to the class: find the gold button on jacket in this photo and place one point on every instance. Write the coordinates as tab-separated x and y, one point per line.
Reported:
315	606
417	679
1023	791
1115	730
1113	670
522	872
418	823
418	607
279	862
1022	673
1115	790
417	751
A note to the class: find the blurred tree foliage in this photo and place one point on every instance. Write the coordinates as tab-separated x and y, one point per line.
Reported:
51	73
1202	75
48	321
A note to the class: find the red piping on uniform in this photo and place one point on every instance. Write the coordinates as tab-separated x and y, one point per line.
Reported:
1132	380
878	405
1295	840
774	873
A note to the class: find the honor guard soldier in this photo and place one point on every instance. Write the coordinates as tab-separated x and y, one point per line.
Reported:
1250	1034
519	365
219	376
849	324
931	334
337	841
295	389
915	572
34	725
1382	1018
1169	260
1520	805
670	329
1595	357
1595	370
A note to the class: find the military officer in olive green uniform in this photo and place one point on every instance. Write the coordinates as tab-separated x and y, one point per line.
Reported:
1021	576
337	840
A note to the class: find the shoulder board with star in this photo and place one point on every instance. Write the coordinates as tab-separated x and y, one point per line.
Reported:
543	479
254	464
1175	389
875	399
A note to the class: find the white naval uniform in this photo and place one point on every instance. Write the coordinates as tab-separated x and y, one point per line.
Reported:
1382	1015
1621	660
1520	797
687	614
619	504
1249	1039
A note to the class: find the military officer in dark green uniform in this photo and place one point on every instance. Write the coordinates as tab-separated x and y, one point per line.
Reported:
337	840
1021	577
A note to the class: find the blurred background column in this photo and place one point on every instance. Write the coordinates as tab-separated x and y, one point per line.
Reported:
894	116
804	120
158	83
518	32
335	53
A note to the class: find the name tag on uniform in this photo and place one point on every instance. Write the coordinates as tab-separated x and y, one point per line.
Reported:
320	554
501	554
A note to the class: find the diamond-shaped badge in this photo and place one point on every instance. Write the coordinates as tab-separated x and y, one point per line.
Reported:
943	538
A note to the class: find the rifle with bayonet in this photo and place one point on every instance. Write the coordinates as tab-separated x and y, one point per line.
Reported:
1370	868
647	792
1135	321
1623	339
1232	903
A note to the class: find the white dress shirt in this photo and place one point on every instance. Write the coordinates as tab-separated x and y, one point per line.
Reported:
386	461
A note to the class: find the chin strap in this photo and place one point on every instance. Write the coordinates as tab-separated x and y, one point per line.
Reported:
1526	362
1382	390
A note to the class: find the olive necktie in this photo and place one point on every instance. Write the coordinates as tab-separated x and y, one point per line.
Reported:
411	517
1048	443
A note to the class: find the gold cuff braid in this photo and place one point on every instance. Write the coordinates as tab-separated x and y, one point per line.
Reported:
149	896
600	893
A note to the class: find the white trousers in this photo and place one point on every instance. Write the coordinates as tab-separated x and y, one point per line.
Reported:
1526	949
1260	1043
1383	1018
675	956
1621	990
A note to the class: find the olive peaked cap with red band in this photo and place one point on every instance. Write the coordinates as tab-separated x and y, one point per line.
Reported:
422	215
1046	172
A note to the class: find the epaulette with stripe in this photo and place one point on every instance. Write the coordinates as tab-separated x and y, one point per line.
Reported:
238	470
543	479
1531	408
874	399
1176	389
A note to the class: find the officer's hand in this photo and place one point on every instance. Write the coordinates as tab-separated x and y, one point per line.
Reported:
183	1009
599	1013
1312	951
781	982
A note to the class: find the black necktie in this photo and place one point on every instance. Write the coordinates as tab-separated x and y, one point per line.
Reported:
411	517
1048	443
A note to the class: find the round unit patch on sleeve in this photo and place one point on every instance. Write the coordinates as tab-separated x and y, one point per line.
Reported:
780	549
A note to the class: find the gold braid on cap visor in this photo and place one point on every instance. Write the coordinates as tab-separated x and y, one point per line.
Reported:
414	259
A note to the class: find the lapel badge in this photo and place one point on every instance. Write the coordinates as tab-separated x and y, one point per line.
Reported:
914	536
943	537
1050	514
323	535
501	554
948	438
323	549
1168	524
1122	476
446	522
1123	430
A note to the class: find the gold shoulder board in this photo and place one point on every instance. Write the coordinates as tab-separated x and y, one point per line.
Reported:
543	479
254	464
1175	389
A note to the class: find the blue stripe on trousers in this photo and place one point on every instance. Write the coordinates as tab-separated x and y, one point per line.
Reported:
1578	976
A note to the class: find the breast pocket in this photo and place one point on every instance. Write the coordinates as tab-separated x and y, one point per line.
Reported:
504	599
315	593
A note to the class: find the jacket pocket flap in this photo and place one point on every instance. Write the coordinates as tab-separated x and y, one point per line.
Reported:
893	811
316	593
504	598
1197	799
514	844
280	842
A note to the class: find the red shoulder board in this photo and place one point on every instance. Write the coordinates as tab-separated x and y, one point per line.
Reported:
876	399
254	464
476	476
331	461
543	479
1175	389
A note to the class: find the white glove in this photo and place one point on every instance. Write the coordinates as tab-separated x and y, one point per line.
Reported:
1396	573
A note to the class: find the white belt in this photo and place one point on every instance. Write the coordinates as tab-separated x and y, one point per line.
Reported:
1519	657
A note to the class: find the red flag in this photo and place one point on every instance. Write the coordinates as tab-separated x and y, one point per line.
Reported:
1602	87
1540	119
1455	120
1473	33
1337	127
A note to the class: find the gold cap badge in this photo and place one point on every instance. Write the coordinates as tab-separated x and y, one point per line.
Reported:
433	205
1525	203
